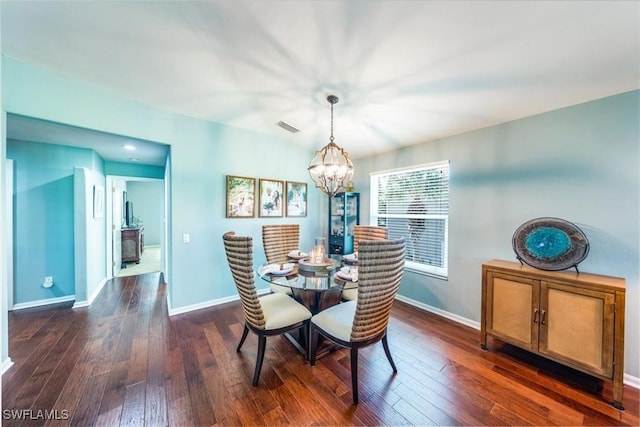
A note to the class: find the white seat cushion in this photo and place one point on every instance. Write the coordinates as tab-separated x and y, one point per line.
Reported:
280	310
280	289
279	285
350	294
337	320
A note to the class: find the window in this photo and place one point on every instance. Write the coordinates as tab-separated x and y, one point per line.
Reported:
414	203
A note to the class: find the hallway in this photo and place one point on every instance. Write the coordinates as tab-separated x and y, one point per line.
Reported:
149	263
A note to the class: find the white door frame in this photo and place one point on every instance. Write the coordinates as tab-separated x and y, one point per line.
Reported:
8	230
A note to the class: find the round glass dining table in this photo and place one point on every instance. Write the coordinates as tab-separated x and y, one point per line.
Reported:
316	289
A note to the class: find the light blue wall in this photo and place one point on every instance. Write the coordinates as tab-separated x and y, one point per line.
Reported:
202	154
579	163
200	161
146	197
44	216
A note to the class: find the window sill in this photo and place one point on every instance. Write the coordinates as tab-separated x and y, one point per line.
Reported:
418	270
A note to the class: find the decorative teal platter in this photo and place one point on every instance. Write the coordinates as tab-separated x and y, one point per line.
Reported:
550	244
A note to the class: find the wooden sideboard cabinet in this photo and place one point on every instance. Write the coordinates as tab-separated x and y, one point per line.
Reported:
576	319
132	244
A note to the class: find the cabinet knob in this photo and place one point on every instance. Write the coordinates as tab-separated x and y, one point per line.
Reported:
535	315
542	319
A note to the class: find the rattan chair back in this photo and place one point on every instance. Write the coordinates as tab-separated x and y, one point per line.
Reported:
380	269
239	250
367	232
278	240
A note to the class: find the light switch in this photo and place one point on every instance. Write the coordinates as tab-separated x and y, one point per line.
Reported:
186	238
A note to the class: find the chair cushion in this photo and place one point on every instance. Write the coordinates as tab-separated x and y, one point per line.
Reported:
280	310
350	294
337	320
280	289
279	285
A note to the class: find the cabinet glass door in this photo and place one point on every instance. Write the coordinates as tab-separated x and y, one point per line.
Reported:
344	214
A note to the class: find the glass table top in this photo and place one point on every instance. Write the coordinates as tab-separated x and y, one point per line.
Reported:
297	277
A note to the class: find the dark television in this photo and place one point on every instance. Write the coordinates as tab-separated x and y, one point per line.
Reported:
128	213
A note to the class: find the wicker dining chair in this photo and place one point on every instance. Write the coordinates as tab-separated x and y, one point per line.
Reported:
357	324
360	233
278	240
268	315
368	232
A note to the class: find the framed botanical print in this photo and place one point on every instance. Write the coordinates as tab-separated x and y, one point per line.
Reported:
271	198
241	192
296	199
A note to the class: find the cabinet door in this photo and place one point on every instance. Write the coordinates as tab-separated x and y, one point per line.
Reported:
130	245
512	314
577	326
344	214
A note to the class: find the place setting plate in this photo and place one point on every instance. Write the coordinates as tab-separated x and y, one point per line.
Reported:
348	274
350	258
297	255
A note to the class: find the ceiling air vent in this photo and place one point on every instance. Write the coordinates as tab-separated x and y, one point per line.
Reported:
287	127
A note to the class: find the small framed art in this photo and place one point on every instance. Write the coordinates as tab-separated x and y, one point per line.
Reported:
296	199
98	201
241	200
271	198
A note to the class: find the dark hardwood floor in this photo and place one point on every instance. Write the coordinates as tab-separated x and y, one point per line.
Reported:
123	361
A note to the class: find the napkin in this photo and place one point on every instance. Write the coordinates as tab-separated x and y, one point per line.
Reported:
274	268
351	257
349	272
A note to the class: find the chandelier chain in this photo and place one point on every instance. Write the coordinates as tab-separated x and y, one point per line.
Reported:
331	137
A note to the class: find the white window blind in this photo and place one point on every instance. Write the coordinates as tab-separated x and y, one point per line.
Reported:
414	203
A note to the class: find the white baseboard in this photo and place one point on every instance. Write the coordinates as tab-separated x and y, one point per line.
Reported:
6	364
207	304
439	312
629	380
76	304
200	306
40	303
94	295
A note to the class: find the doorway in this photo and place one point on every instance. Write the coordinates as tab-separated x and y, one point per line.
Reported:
137	246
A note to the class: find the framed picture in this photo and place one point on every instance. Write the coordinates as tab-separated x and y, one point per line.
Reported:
296	198
241	197
98	201
271	198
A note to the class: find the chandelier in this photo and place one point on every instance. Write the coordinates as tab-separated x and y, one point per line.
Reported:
331	167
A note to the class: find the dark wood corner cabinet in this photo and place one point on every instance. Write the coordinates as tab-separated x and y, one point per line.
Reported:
344	213
132	244
576	319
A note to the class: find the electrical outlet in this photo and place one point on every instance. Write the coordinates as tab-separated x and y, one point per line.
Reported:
186	238
48	282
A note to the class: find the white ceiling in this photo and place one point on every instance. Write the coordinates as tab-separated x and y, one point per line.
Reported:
406	72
